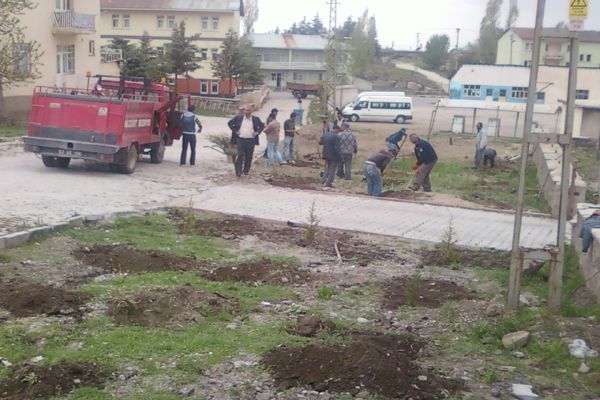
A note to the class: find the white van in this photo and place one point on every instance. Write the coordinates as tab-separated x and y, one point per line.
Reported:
397	109
372	93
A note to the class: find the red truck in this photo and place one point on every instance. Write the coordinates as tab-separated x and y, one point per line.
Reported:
115	123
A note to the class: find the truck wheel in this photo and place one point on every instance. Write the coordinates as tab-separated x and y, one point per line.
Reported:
49	161
129	166
400	119
354	118
63	162
157	152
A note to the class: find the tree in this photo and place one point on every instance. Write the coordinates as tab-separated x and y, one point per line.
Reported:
348	27
304	27
237	60
249	65
513	14
250	15
363	44
19	57
181	52
141	61
436	51
489	32
317	26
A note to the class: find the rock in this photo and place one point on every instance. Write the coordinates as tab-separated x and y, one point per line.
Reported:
583	368
506	368
497	352
264	396
284	280
231	327
186	392
531	267
579	349
515	339
496	393
523	392
487	340
494	309
422	378
75	346
5	362
77	381
36	359
362	320
4	316
130	372
528	300
519	354
363	395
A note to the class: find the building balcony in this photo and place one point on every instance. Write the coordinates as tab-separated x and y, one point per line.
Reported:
293	66
553	57
71	22
108	55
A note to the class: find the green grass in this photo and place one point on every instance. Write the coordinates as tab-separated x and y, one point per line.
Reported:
214	113
5	258
10	130
459	178
587	162
154	232
326	292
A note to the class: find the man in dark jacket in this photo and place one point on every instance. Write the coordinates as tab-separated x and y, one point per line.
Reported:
244	134
391	142
332	154
426	159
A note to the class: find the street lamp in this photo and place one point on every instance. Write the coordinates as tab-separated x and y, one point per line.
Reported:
512	40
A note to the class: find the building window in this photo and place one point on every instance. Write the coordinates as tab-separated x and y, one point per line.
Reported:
215	23
92	48
126	19
526	63
203	54
581	57
582	94
472	91
63	5
541	96
519	92
171	22
589	58
528	46
214	53
203	87
298	76
22	58
65	59
502	92
489	92
115	21
160	22
214	87
204	24
273	76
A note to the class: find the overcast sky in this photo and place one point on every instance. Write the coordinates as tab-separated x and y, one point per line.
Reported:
398	21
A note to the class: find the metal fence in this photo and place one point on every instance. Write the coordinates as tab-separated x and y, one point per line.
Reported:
72	19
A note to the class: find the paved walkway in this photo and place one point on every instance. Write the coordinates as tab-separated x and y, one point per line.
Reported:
474	228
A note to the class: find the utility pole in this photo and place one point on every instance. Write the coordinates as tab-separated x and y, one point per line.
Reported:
457	37
418	41
329	91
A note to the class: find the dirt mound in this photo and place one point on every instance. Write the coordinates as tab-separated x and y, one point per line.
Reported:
47	381
383	365
487	259
487	201
296	182
306	164
351	248
310	325
261	271
29	299
123	259
227	228
168	306
421	293
403	195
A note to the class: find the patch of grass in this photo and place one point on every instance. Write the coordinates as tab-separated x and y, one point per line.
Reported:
326	292
85	393
490	375
13	129
509	323
448	311
154	232
413	289
587	162
5	258
459	178
214	113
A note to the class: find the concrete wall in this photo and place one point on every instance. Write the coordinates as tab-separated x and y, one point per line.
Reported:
548	159
589	263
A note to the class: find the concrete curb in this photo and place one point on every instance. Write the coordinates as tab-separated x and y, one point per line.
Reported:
18	238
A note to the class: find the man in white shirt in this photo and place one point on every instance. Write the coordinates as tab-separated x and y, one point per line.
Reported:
244	133
480	145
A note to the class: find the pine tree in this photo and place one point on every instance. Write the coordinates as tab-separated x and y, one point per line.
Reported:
181	52
489	32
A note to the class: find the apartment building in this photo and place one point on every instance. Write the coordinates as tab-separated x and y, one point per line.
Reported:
515	47
210	19
67	33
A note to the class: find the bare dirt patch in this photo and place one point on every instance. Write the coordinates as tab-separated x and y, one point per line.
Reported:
311	325
123	259
421	293
404	195
27	382
381	364
488	259
488	201
168	306
29	299
262	271
296	182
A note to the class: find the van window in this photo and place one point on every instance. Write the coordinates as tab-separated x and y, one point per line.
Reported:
361	105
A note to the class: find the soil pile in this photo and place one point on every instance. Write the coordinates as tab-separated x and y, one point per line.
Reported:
123	259
168	306
227	228
47	381
404	195
310	325
296	182
421	293
383	365
29	299
488	259
487	201
261	271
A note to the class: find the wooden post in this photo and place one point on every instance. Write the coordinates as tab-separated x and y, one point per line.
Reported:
474	118
554	281
517	124
514	283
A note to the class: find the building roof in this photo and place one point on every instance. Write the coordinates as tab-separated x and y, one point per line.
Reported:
492	75
584	36
173	5
288	41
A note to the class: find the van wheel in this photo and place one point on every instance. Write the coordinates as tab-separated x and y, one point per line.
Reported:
400	119
354	118
129	166
157	152
63	162
49	161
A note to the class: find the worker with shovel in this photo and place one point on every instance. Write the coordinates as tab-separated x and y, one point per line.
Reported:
374	167
426	159
391	142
